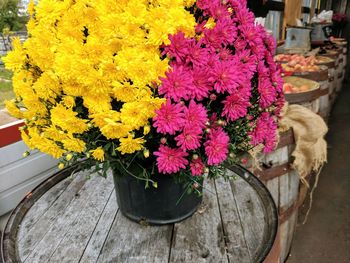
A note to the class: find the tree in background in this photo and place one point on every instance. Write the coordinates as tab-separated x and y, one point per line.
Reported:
10	20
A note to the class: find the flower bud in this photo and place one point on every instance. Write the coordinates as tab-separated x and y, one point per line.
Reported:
155	185
207	130
146	153
69	157
163	140
195	157
212	97
146	129
195	185
206	170
88	155
221	122
232	155
244	160
90	125
60	166
26	153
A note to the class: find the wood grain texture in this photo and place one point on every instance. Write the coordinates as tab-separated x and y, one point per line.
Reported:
78	220
36	233
58	230
98	237
41	206
237	248
251	213
191	243
130	242
80	230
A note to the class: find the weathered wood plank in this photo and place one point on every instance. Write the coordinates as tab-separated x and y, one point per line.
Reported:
274	188
236	245
286	235
129	242
57	231
200	238
277	157
28	242
41	206
94	247
79	231
251	214
289	186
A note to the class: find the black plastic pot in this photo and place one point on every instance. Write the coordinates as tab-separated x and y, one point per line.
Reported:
166	204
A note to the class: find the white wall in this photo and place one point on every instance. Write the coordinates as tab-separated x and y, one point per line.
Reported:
19	175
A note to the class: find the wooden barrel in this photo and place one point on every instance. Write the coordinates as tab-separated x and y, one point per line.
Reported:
331	64
337	55
72	219
309	99
343	45
283	183
321	77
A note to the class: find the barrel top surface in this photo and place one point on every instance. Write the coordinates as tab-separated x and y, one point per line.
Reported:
319	75
75	219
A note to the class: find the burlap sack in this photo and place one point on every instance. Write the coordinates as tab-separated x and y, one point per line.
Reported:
309	130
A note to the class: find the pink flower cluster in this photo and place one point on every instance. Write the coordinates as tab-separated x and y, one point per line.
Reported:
223	87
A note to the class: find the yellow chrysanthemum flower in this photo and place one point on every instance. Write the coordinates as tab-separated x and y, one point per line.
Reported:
98	154
130	145
13	109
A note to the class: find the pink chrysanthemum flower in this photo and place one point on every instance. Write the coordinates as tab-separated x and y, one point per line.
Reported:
264	132
226	30
247	59
238	4
218	11
277	80
263	71
201	82
227	76
189	139
240	44
195	116
236	105
244	16
225	54
179	46
206	5
177	84
267	93
280	102
197	55
170	160
250	33
169	118
216	148
197	167
213	39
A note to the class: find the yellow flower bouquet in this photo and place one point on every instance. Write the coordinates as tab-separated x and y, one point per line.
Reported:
89	70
